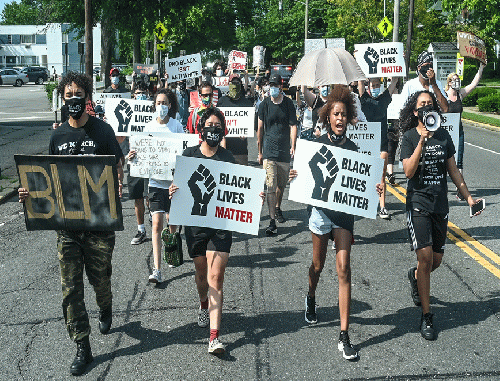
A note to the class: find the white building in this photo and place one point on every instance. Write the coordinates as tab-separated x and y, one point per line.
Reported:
53	46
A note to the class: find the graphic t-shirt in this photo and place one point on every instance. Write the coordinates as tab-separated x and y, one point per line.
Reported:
237	145
428	191
277	120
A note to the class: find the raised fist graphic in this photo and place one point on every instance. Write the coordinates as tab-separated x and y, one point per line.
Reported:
371	57
324	170
201	199
123	113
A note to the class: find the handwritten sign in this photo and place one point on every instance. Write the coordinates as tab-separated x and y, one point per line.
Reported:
183	67
145	69
239	121
259	53
237	60
471	46
381	60
128	116
221	81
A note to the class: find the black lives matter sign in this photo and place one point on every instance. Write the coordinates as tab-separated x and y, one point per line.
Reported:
381	59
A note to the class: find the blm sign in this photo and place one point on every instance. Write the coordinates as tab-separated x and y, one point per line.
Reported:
381	59
70	192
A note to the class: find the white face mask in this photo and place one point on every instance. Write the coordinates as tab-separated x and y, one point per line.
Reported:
162	111
219	73
115	80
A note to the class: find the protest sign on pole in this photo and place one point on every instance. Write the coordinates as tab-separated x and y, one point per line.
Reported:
145	69
221	81
156	153
100	98
367	136
237	60
239	121
381	59
128	116
336	179
259	53
471	46
70	192
217	195
183	67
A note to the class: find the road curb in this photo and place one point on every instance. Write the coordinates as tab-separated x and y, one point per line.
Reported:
482	125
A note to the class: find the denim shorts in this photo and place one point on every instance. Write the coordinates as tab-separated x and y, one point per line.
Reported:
319	223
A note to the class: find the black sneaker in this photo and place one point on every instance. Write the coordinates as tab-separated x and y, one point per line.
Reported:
426	326
346	347
310	314
413	286
391	178
279	216
272	229
139	238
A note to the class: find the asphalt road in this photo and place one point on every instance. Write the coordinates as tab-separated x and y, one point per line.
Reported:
155	335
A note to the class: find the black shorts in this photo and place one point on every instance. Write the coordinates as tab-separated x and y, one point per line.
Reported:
159	200
135	186
427	229
199	240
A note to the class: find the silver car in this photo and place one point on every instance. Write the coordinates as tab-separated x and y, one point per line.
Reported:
13	77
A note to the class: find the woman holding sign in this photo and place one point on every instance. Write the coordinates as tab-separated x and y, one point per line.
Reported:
426	197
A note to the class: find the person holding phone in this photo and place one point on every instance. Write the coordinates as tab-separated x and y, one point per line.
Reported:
427	158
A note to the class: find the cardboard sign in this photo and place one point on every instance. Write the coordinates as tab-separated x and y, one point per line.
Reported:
237	60
100	98
195	100
221	81
367	136
156	154
239	121
183	67
336	179
451	123
217	195
312	44
77	192
471	46
259	53
381	60
146	69
128	116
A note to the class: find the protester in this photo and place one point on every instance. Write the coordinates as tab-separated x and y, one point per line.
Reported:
427	158
261	92
277	135
79	250
116	87
374	105
325	224
314	103
456	94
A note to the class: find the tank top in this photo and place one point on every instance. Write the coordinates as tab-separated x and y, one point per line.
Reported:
457	106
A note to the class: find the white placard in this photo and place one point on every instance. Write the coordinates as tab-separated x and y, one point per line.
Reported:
183	67
128	116
156	153
237	60
312	44
367	136
383	59
100	98
395	106
239	121
259	53
336	179
217	195
451	123
221	81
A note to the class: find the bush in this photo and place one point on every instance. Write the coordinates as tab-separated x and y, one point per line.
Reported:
490	103
49	88
479	92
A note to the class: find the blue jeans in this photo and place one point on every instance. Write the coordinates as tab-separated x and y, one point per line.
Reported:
460	155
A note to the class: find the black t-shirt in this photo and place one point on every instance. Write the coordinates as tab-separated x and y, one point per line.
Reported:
344	220
277	120
237	145
99	139
120	89
430	194
375	110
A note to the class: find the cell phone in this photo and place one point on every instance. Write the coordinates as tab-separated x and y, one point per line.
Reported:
477	207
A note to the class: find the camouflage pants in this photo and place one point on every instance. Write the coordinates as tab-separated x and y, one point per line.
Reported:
76	251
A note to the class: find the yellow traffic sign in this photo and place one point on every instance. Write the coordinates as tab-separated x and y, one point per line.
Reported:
161	46
160	31
385	26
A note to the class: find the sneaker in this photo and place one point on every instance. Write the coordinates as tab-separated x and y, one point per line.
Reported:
426	326
413	286
391	178
346	347
333	245
272	229
155	277
139	238
459	196
310	314
383	214
216	347
150	218
203	317
279	216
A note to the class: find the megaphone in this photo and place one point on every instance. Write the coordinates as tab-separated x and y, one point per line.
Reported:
432	121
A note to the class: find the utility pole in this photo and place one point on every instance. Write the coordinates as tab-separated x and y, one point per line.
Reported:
395	31
306	21
408	39
89	57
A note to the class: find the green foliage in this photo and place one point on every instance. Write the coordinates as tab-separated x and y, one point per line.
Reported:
49	89
490	103
127	71
470	70
481	118
479	92
20	13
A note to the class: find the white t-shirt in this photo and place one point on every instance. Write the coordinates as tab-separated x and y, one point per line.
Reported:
414	85
173	126
357	105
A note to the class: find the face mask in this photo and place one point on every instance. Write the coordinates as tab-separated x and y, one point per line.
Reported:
206	101
141	97
455	84
115	80
422	111
324	91
213	136
234	90
182	86
274	91
162	111
423	70
219	73
375	92
76	107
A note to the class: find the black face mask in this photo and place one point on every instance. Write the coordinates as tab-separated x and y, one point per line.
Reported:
76	107
182	86
424	110
423	70
213	136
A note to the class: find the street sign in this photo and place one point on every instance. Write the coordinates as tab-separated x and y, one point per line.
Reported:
385	26
160	30
161	46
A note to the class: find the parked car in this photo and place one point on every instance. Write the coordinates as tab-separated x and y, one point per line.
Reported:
13	77
286	73
36	74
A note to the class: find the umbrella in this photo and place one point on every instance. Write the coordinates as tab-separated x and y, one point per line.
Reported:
326	67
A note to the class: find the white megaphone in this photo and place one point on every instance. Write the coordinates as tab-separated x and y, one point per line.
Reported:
432	121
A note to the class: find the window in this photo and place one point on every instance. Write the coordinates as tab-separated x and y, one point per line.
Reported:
9	39
29	60
27	38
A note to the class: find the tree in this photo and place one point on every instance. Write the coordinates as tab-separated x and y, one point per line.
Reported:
26	12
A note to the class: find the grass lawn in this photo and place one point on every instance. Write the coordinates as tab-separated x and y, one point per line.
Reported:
490	82
481	118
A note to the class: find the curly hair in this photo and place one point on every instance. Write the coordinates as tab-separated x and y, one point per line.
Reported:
339	94
207	114
407	118
172	100
79	79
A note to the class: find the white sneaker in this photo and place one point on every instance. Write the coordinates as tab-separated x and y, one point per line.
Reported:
203	317
155	277
216	347
384	214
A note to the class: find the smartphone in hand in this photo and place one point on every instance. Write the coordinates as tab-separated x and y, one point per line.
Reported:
477	207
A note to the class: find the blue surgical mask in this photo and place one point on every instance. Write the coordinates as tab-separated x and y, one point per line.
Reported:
274	91
115	80
324	91
141	97
375	92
